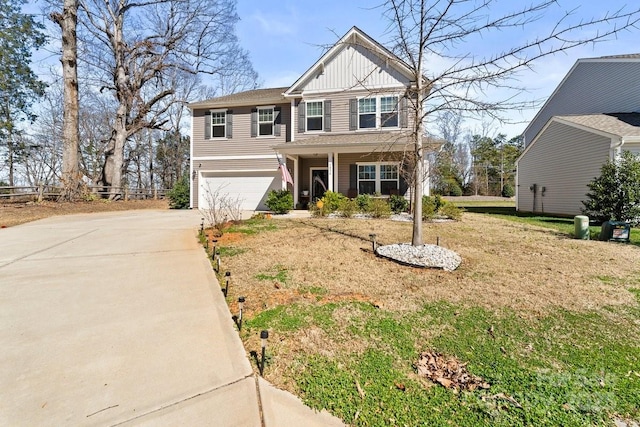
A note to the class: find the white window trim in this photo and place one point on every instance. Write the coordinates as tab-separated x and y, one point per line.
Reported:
273	122
379	112
378	180
306	116
224	125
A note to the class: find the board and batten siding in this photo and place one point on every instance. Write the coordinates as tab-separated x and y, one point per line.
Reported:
563	159
241	142
611	86
354	66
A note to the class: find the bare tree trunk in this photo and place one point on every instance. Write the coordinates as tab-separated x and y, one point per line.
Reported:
71	179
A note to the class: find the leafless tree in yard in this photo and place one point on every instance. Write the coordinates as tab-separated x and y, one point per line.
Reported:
67	20
434	37
140	51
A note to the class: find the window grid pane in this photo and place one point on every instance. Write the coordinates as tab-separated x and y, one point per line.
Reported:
314	109
367	105
389	172
366	172
218	118
388	104
265	115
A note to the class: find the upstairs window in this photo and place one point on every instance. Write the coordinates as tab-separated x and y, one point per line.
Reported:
314	115
367	113
218	124
265	121
389	111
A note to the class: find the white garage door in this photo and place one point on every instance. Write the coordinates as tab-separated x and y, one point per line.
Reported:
252	188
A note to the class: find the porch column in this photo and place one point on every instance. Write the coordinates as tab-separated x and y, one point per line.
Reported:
330	171
296	181
337	174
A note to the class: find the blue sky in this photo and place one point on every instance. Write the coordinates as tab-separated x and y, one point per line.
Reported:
285	40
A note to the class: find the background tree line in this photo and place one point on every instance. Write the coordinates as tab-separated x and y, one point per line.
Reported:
114	115
473	163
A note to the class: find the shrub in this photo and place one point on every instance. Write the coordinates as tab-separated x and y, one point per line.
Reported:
429	207
508	191
451	211
363	201
379	208
279	201
615	194
348	207
398	203
178	195
331	201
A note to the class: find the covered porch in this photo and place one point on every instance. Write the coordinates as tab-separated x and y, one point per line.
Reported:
346	164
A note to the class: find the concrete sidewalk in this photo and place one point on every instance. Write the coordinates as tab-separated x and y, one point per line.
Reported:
117	319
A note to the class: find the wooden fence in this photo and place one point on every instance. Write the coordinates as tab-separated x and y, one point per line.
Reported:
50	192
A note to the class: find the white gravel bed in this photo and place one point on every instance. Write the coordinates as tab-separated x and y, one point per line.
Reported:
431	256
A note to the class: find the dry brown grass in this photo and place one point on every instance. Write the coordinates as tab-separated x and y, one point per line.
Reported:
525	268
14	213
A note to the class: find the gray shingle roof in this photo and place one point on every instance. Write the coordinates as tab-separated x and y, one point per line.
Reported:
249	97
624	56
620	124
393	141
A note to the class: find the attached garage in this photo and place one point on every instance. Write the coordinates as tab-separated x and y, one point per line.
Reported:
252	188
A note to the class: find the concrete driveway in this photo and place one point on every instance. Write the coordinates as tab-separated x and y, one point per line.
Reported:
117	319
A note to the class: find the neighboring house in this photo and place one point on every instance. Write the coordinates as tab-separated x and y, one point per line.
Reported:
591	116
343	126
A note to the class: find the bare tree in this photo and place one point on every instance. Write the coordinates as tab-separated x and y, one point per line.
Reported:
71	178
140	50
428	31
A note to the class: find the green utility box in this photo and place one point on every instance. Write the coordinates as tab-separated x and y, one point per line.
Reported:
581	224
615	231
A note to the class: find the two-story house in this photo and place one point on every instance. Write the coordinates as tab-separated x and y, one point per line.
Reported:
592	115
345	125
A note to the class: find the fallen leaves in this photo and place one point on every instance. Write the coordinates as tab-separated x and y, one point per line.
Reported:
448	372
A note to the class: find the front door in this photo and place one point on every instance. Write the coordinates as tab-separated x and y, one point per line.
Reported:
319	183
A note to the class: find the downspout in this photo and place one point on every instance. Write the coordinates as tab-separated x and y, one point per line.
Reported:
191	174
616	148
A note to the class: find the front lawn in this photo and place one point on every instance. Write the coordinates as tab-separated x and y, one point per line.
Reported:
551	323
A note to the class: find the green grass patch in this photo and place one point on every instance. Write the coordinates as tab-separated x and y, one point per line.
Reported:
570	369
253	226
229	251
280	274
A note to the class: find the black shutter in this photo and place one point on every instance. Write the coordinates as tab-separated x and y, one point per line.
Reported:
353	114
404	185
404	112
207	125
229	124
277	120
254	122
327	116
302	117
353	177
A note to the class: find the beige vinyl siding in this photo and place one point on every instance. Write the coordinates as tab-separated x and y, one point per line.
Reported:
564	160
354	66
611	86
346	160
340	111
241	142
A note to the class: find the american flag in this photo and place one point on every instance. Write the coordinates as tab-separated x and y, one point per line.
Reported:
286	176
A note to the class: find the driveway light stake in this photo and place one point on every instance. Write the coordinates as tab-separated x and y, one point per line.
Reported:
263	340
438	241
240	306
373	240
202	226
214	251
217	261
227	276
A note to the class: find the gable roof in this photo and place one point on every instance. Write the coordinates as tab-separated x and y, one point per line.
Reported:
622	125
355	36
604	84
247	98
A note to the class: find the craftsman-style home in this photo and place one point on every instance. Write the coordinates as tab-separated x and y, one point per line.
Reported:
343	126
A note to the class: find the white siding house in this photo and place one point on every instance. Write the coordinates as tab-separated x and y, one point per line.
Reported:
592	115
